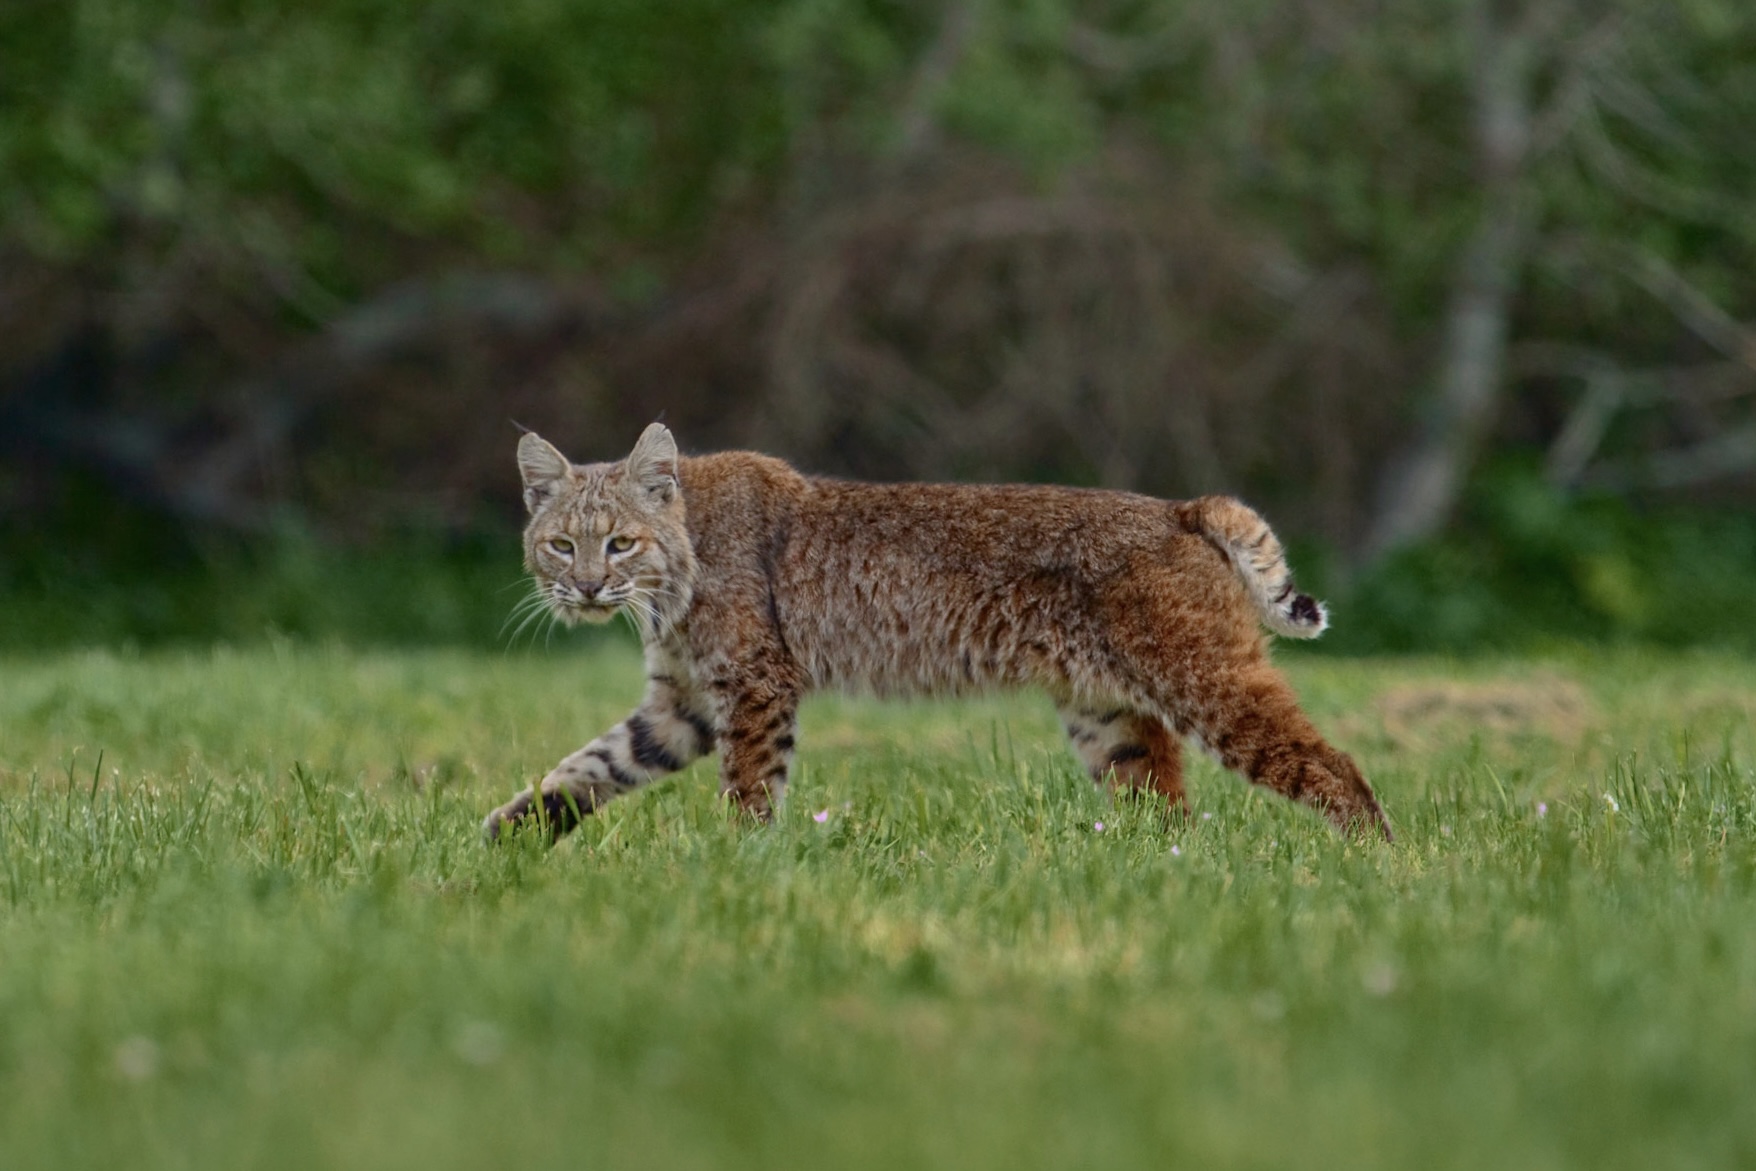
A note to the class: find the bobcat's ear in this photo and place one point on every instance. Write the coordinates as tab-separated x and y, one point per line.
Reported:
653	462
542	468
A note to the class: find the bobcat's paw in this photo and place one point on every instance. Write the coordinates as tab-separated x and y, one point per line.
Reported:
556	814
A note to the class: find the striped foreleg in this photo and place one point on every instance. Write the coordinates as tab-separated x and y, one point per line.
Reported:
664	734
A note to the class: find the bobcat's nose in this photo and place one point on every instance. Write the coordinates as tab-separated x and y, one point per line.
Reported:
588	589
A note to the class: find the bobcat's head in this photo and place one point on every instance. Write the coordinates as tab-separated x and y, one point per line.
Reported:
610	536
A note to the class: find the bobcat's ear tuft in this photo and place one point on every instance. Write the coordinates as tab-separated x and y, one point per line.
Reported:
653	462
542	468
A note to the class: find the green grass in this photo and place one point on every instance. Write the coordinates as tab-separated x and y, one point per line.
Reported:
261	931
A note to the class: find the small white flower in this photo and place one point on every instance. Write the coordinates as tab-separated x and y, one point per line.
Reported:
137	1058
479	1042
1612	803
1207	815
1379	980
1176	851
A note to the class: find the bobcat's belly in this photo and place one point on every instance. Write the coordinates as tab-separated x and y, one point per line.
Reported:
895	664
895	626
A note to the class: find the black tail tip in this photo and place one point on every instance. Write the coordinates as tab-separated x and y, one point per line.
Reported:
1306	611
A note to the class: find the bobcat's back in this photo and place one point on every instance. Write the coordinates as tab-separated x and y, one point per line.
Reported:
906	588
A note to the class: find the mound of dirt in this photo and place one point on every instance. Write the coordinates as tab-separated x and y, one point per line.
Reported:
1547	706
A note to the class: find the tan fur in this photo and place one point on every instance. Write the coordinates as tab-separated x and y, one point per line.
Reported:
753	585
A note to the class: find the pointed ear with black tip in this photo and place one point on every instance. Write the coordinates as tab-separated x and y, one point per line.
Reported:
542	468
653	462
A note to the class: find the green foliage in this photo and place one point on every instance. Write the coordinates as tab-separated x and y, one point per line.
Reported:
260	931
301	130
137	580
1527	567
287	130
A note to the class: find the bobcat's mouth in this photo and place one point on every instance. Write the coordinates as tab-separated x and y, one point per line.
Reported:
571	606
593	612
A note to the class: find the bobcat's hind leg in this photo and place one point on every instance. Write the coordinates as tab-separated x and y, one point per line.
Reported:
1250	719
1128	750
664	734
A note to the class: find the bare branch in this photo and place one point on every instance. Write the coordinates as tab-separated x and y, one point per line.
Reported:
1421	487
1585	429
1722	457
1599	151
1693	308
918	119
1119	56
1571	102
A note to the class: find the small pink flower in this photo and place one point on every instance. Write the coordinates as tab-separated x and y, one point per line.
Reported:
1542	808
821	816
1098	826
1207	816
1176	851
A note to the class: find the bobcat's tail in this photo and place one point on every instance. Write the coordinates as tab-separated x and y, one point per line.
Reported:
1244	539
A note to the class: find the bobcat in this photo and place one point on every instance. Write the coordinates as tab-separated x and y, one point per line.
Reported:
752	584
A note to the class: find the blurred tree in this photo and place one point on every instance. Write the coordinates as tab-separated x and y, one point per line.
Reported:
258	256
1551	81
1428	158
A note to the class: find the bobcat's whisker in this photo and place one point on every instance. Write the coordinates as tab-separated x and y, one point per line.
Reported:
535	624
525	605
661	619
525	611
642	617
639	599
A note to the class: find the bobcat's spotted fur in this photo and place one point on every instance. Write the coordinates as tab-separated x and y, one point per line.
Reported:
753	584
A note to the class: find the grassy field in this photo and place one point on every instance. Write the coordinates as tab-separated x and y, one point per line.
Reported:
245	921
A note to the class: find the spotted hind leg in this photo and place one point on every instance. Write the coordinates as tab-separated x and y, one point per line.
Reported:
1251	720
1128	750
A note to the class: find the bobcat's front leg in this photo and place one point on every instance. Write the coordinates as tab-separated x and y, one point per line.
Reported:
662	735
756	747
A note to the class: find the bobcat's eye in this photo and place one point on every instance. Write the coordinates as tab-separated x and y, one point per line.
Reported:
562	546
619	544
